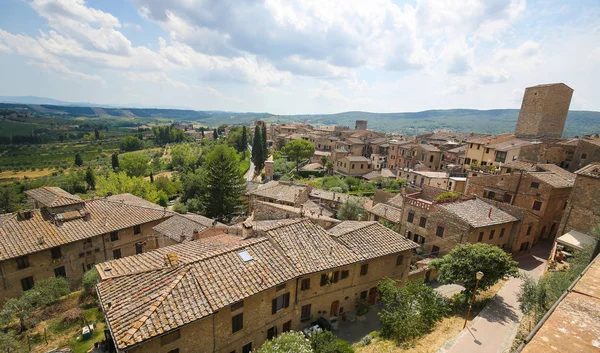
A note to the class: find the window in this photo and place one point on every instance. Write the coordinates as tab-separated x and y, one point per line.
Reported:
56	253
170	338
272	332
422	222
305	284
363	295
281	302
137	229
117	254
537	205
22	262
565	205
500	157
324	279
352	165
501	232
467	160
411	217
287	326
345	274
480	236
471	146
280	287
237	323
247	348
60	272
362	166
487	150
440	231
489	195
305	313
336	277
483	163
237	306
114	236
399	260
139	248
27	283
435	250
535	185
478	146
409	235
583	155
492	232
364	269
529	230
430	158
507	198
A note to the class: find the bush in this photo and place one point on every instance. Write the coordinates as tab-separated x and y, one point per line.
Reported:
287	342
446	196
310	173
327	342
72	316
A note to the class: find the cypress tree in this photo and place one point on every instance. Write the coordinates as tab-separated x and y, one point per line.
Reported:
215	135
78	160
151	177
90	178
257	152
221	184
265	148
115	161
244	141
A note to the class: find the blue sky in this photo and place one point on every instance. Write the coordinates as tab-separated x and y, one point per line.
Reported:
295	57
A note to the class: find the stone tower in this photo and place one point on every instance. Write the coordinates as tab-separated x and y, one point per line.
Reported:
360	125
544	111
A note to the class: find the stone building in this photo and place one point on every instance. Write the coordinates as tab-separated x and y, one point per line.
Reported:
402	154
430	156
582	212
353	165
586	152
239	292
544	111
551	151
360	125
65	236
281	192
333	200
541	190
493	151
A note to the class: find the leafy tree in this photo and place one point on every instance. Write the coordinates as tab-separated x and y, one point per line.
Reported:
329	167
327	342
169	186
257	152
290	341
10	342
180	207
75	182
215	134
533	298
90	178
78	160
351	209
9	199
330	182
97	134
184	157
298	149
218	187
130	143
151	177
221	129
134	164
202	131
90	279
353	183
244	141
324	161
118	183
168	134
115	161
265	146
465	260
281	167
409	311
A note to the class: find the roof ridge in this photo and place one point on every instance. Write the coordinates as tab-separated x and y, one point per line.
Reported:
164	209
226	250
157	303
288	223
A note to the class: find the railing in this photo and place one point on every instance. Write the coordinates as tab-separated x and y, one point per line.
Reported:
426	205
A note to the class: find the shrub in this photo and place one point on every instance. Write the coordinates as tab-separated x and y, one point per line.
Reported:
327	342
287	342
446	196
72	316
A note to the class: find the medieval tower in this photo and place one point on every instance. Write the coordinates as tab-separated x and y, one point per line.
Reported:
544	111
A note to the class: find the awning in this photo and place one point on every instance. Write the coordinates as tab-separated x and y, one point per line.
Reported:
576	240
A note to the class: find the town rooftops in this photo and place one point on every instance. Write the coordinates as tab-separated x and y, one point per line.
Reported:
181	227
51	196
590	170
554	179
429	148
280	191
133	200
357	159
491	139
371	238
478	213
388	212
383	173
520	165
458	149
37	230
333	196
509	145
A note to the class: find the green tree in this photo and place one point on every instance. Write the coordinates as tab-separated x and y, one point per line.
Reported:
351	209
115	161
327	342
221	129
75	182
244	141
169	186
10	342
134	164
151	177
409	311
9	199
257	153
287	342
97	134
219	186
78	160
330	182
130	143
202	131
298	150
90	178
329	167
465	260
90	279
184	157
324	161
265	146
118	183
533	298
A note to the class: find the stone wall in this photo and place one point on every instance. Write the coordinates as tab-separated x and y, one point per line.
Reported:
583	209
585	153
544	111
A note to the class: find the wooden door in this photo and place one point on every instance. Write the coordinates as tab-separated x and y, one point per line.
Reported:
334	308
372	295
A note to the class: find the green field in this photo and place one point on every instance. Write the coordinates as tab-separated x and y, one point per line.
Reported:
8	128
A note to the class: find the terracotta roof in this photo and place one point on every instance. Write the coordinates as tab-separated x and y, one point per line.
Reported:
280	191
388	212
133	200
555	180
357	159
51	196
146	304
520	165
491	139
355	141
477	213
429	148
310	248
509	144
458	149
556	170
43	231
396	201
371	239
590	170
181	227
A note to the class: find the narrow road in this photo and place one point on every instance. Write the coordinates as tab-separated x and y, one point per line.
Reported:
250	173
495	328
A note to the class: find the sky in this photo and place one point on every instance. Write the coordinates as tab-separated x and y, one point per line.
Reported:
299	57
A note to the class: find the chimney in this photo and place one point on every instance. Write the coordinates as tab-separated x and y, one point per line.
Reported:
490	213
301	210
196	234
385	212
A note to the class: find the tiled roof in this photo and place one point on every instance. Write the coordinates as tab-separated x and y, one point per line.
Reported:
590	170
181	227
556	170
554	180
458	149
429	148
509	144
477	213
133	200
357	159
333	196
51	196
355	141
396	201
371	239
388	212
491	139
279	191
310	248
520	165
154	301
43	231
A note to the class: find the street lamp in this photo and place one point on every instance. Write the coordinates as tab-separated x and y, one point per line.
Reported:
479	276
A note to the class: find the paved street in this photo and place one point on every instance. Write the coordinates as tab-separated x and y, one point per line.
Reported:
495	328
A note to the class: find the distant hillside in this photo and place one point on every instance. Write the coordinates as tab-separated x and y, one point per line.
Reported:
483	121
